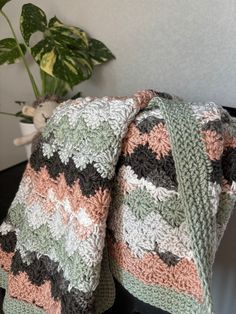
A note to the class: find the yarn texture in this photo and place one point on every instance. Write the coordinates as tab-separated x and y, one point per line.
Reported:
138	188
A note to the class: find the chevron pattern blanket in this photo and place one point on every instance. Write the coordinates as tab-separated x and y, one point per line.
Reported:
138	188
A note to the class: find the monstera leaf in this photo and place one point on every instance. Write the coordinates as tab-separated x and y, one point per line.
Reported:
98	52
3	2
65	52
9	51
32	19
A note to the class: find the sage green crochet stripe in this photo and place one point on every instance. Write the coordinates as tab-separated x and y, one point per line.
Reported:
15	306
3	278
165	298
142	203
41	240
193	172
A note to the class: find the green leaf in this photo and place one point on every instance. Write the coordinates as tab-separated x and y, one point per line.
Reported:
99	52
75	35
32	20
3	2
25	118
53	86
9	52
63	53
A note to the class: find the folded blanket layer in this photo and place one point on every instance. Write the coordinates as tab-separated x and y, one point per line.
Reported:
140	188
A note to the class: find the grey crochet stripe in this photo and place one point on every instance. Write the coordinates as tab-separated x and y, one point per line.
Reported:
193	171
166	298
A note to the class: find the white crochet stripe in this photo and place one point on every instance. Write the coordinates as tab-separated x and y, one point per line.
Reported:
89	249
127	174
233	188
37	216
146	114
6	227
205	113
215	196
144	236
93	112
70	108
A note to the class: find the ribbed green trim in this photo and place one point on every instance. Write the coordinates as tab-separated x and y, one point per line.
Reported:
3	278
161	297
193	173
14	306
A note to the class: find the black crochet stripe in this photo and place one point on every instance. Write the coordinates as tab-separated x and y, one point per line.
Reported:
8	242
145	164
216	175
89	178
164	95
146	125
215	125
160	178
169	258
43	269
229	164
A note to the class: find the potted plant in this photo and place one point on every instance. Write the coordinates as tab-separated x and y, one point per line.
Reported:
66	54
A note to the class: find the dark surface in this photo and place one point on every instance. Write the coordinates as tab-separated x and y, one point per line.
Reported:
9	183
126	303
232	111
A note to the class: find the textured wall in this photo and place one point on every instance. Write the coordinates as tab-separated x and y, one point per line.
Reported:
184	47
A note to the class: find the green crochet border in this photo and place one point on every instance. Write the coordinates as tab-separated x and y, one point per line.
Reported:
14	306
165	298
193	170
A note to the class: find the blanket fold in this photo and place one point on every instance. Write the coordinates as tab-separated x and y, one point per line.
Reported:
140	188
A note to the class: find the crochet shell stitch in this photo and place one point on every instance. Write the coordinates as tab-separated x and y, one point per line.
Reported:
138	188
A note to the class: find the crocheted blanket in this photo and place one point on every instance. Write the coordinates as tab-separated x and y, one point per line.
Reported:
139	189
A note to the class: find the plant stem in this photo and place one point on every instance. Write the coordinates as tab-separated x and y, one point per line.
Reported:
43	80
7	114
33	83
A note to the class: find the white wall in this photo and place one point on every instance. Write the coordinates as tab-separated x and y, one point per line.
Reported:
183	47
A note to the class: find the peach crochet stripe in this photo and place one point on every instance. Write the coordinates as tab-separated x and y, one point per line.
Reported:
229	141
132	139
152	270
159	141
95	206
143	97
20	287
5	260
214	144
